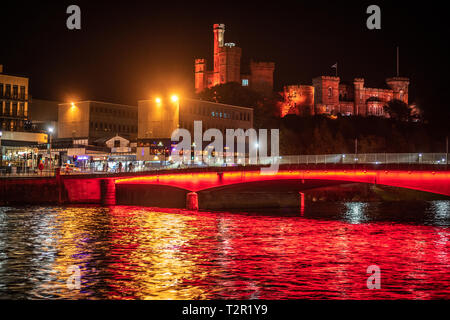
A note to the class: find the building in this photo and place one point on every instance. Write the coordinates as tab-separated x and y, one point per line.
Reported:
14	101
328	95
159	118
227	67
19	151
91	120
19	142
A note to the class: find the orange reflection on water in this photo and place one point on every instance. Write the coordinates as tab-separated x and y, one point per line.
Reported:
147	256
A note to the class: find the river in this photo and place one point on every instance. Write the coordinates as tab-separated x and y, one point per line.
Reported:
125	252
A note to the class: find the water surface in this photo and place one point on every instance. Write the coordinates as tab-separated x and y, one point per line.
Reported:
148	253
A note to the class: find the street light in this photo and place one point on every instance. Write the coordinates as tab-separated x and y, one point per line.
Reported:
174	98
50	130
158	100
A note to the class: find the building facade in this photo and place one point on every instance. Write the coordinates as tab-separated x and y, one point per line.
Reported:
14	101
227	67
157	120
91	120
328	95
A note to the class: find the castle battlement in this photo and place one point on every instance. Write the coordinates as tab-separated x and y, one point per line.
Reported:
327	78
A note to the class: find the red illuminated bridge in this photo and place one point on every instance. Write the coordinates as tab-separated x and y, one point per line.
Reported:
102	188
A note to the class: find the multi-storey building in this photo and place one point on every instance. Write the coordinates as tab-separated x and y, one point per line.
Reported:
158	119
91	120
14	100
328	95
227	67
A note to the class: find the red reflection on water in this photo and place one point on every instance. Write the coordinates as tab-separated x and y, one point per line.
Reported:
429	181
176	254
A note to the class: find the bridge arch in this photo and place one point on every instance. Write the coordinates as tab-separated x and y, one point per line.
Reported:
428	181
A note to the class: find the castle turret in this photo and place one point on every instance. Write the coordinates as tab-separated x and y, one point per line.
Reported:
219	38
200	75
399	86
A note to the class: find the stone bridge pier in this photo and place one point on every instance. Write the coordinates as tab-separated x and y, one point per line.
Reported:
108	192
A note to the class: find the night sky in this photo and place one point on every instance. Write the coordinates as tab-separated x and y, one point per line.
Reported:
131	50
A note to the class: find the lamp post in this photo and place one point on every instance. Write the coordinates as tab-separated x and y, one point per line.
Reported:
50	130
175	99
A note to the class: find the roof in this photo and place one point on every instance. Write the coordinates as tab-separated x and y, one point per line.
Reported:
104	139
102	102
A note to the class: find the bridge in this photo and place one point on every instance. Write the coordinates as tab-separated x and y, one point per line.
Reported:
100	188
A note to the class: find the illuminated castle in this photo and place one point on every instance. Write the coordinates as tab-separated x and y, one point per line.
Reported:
227	67
328	95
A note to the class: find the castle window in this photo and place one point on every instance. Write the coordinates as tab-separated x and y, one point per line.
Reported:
245	82
330	92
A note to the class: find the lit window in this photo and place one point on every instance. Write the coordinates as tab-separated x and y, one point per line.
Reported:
245	82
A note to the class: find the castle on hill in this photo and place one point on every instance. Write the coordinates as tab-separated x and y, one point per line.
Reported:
326	95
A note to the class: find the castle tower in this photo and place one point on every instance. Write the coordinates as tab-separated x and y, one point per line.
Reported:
219	37
400	87
360	104
262	76
326	94
229	63
200	75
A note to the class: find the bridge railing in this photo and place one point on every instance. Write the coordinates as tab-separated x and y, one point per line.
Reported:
365	158
435	159
440	160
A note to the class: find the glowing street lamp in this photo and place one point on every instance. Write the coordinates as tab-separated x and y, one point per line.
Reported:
174	98
158	100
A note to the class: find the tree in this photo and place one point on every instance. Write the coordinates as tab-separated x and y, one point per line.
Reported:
231	93
398	110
